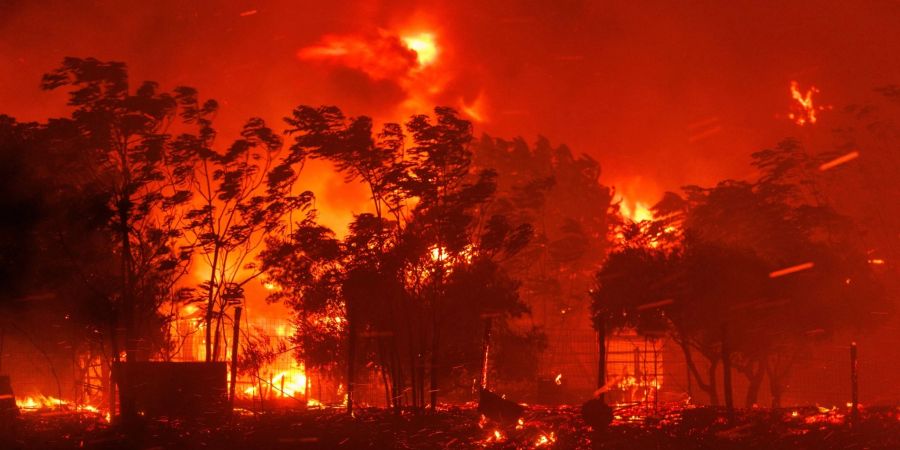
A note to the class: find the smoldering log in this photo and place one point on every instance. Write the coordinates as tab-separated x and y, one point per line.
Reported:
499	409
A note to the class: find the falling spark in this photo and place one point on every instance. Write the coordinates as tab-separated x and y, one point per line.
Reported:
474	110
558	379
876	262
249	13
704	134
839	160
703	129
655	304
790	270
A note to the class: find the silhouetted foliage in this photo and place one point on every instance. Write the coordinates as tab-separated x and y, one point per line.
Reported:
708	258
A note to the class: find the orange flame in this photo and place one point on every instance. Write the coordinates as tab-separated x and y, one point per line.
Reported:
635	211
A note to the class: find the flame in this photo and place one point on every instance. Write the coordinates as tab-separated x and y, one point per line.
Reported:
636	212
476	109
382	57
545	439
425	47
37	402
495	436
804	110
558	379
411	57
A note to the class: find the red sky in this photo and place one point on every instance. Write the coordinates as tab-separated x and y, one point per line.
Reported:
661	93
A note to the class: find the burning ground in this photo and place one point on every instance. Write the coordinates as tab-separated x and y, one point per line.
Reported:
671	427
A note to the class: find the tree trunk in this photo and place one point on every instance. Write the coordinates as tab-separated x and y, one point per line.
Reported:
127	406
211	305
710	388
726	369
234	353
755	378
351	356
435	345
486	351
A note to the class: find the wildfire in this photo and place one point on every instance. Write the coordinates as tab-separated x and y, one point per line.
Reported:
804	110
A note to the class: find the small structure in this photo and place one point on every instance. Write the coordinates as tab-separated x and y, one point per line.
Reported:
186	390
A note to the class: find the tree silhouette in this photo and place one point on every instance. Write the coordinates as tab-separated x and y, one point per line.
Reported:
715	264
242	196
560	196
397	265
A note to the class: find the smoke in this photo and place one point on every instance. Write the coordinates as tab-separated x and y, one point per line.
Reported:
624	82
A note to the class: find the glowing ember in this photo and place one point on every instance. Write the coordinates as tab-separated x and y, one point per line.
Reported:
790	270
558	380
545	439
494	437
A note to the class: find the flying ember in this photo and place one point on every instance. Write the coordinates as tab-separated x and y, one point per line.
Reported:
804	111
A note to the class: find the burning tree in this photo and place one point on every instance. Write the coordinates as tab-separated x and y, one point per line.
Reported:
242	196
122	137
745	274
396	270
